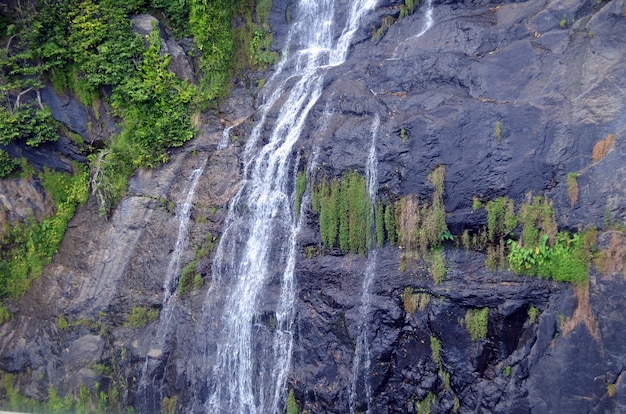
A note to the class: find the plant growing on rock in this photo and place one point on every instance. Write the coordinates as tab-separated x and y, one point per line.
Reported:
572	188
141	317
476	322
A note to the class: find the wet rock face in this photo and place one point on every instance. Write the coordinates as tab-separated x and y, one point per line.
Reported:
553	92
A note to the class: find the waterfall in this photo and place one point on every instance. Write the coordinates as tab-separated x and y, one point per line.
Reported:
146	389
256	255
225	140
361	362
428	19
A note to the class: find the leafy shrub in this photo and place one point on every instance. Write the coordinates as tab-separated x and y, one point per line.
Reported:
476	322
141	317
7	164
533	313
35	125
189	279
566	261
501	220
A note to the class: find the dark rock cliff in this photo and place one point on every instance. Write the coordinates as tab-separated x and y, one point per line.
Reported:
554	91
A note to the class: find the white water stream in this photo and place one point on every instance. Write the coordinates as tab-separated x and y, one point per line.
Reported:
151	394
256	254
361	362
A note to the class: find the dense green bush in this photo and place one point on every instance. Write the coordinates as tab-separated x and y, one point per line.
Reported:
7	164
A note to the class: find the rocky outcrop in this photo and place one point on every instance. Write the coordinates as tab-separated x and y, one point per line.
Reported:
552	92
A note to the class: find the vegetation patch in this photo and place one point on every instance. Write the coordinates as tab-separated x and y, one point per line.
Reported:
140	317
292	404
572	188
344	212
476	322
29	246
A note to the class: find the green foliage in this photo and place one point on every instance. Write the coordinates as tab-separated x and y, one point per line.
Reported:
27	122
435	348
5	315
476	322
344	207
404	135
390	224
507	371
29	246
211	27
476	203
533	313
407	8
156	108
498	131
169	404
300	189
566	261
7	164
380	224
189	279
58	405
424	406
537	219
292	404
141	317
563	22
438	265
501	219
385	24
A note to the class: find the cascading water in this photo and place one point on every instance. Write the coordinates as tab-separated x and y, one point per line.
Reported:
427	23
361	362
225	138
428	19
148	393
257	250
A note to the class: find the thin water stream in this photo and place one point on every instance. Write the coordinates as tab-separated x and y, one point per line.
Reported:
361	361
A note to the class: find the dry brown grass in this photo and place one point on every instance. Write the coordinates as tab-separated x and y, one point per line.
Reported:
408	221
602	148
612	259
582	314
